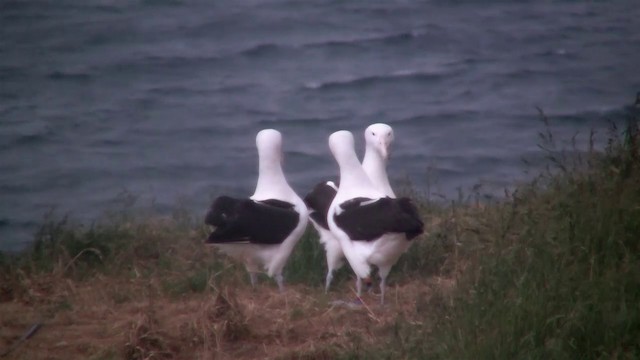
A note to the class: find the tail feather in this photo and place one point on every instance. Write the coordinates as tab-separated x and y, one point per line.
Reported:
411	223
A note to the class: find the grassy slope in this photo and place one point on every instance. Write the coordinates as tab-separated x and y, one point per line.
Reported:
550	272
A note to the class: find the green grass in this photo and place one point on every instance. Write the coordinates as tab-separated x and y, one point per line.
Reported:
307	263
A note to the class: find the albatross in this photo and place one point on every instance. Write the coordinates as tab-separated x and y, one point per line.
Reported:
262	230
378	139
371	227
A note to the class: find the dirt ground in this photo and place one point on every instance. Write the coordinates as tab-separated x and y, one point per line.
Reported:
106	318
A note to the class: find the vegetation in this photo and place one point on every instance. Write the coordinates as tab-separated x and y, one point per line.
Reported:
549	271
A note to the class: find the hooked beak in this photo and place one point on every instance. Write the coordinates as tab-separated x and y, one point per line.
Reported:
384	150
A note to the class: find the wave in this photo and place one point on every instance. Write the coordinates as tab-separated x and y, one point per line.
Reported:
527	74
234	89
179	90
29	139
553	53
69	75
198	91
273	48
302	120
402	75
162	3
12	222
107	142
394	39
7	96
145	63
604	115
179	60
448	116
12	72
262	49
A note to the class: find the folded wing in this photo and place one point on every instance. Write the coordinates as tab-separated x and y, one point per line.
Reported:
318	202
366	219
266	222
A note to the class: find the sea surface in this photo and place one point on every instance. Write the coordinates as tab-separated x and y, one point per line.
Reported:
161	100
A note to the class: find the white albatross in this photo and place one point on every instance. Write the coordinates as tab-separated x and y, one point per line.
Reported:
372	228
378	139
263	229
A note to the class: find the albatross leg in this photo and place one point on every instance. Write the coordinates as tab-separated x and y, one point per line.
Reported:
382	288
327	282
253	277
252	269
383	282
334	260
280	281
367	283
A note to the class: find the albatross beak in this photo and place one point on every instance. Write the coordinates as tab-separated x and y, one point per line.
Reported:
384	149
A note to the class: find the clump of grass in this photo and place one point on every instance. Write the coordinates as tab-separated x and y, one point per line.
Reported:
146	340
195	282
128	246
307	263
230	322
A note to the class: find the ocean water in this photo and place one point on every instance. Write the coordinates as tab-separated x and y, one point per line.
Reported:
162	99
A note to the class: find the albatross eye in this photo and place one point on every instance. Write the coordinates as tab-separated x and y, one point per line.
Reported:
373	133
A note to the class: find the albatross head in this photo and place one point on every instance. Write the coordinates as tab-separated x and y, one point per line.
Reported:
342	147
379	137
269	144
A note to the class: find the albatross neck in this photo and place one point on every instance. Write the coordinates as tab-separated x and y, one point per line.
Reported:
376	168
271	181
352	176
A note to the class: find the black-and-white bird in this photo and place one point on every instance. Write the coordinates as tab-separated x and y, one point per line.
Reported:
378	140
372	228
261	231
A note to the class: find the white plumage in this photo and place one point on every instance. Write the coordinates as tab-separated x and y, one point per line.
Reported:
263	230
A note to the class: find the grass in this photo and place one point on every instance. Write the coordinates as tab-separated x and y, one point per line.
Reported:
549	271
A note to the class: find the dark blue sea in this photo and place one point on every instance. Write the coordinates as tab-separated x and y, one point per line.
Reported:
162	99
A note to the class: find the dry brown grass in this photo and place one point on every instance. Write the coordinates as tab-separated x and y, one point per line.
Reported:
115	318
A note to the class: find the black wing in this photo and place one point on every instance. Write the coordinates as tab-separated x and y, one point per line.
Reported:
411	212
278	203
244	220
366	219
318	202
222	208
